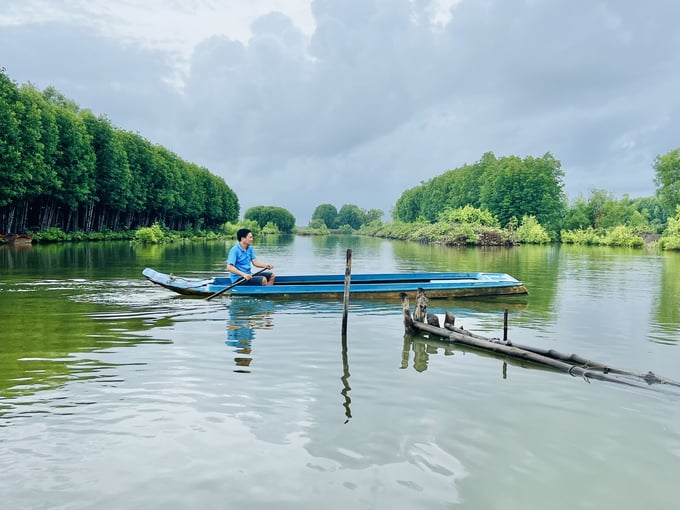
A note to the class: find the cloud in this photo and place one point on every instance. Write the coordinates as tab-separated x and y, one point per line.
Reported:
353	101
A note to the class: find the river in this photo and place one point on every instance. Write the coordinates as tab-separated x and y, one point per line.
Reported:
115	393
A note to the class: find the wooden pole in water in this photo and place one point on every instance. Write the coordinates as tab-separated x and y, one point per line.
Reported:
505	325
345	299
409	328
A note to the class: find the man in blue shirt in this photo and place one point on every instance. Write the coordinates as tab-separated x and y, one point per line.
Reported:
240	258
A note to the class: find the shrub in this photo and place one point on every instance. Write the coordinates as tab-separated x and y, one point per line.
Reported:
150	235
230	229
51	235
270	228
470	215
531	231
345	229
670	240
580	236
487	236
623	236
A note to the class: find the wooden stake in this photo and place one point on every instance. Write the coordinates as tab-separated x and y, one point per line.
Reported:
408	321
505	325
420	311
345	299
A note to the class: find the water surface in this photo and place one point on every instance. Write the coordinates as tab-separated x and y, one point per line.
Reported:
115	393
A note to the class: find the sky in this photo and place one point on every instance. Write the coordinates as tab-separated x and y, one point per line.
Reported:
297	103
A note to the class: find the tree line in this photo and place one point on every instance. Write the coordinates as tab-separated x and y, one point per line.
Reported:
61	166
512	188
350	216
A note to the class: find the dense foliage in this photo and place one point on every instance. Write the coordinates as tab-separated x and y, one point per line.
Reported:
62	167
325	213
507	187
510	188
278	216
671	236
667	179
350	217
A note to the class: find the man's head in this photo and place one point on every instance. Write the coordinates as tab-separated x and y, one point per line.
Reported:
243	233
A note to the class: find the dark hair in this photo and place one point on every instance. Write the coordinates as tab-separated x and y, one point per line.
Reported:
242	232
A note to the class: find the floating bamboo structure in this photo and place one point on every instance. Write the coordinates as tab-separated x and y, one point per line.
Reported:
571	364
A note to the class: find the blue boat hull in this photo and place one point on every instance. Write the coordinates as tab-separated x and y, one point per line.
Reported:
365	286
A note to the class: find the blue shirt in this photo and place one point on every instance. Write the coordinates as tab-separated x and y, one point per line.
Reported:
241	259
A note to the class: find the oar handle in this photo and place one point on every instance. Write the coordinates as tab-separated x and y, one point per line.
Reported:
238	282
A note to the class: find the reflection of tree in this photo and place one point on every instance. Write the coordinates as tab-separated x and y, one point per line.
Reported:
339	244
667	311
59	346
276	240
246	315
539	267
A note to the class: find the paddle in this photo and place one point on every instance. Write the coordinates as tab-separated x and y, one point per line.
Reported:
238	282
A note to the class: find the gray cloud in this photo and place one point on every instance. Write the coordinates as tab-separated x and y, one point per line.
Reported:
377	98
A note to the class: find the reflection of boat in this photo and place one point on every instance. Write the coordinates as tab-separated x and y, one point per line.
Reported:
17	239
437	285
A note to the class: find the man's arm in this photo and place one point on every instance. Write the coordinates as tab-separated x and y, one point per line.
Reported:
263	265
234	270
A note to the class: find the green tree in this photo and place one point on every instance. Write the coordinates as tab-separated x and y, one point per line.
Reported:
40	140
667	179
222	203
653	210
64	168
139	154
372	215
529	187
407	208
670	240
351	215
113	176
577	216
74	165
455	188
279	216
11	181
326	213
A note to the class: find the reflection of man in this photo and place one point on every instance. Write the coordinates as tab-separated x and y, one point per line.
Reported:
245	315
240	338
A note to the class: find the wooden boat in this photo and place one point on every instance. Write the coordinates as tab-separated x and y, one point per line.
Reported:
17	239
365	286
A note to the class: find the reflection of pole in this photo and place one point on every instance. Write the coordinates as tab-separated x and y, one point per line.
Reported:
345	379
345	300
406	351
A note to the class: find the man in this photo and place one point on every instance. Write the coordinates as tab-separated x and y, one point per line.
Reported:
240	258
